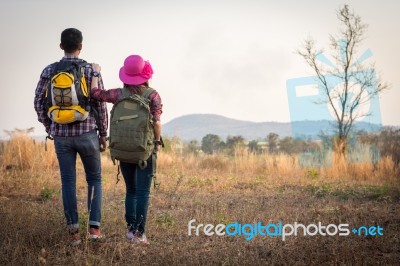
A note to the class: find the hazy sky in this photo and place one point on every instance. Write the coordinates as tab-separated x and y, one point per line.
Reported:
225	57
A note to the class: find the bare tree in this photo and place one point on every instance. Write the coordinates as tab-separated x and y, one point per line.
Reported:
358	79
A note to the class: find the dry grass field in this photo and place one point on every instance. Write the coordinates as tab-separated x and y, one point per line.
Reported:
211	189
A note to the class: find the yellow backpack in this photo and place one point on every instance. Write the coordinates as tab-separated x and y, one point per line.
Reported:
67	95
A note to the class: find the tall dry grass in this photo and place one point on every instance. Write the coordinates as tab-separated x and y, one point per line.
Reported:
26	167
27	158
28	155
211	189
275	168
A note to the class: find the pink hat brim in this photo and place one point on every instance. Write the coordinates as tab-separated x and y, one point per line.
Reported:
131	80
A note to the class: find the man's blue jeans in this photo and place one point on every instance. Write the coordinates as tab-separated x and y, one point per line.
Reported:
87	146
138	184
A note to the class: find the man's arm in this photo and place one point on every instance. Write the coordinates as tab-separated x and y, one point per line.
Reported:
103	114
97	83
40	99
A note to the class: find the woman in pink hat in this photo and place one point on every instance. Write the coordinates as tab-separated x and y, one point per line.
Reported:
135	74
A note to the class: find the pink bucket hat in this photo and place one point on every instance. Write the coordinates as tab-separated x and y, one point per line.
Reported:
135	70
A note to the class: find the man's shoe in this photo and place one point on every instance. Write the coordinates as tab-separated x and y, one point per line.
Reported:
75	238
95	233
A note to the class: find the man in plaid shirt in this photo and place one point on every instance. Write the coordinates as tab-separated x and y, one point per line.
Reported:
76	138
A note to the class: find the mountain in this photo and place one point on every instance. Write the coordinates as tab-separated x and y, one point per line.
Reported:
196	126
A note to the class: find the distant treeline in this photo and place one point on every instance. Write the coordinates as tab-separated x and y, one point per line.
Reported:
387	141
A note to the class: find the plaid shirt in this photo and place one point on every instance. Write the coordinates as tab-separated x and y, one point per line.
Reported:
76	128
114	95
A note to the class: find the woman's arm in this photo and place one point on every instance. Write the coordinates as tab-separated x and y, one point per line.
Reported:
109	96
157	134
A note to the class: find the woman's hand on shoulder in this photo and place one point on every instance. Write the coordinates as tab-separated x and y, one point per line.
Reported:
95	76
96	67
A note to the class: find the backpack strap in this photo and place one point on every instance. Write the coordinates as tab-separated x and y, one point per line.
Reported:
146	93
125	92
82	63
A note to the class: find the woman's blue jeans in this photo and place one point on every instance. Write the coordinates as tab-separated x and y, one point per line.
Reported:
87	146
138	185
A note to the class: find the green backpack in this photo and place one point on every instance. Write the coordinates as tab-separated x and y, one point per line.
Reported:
131	128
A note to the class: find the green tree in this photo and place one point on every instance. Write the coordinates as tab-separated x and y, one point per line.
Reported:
387	142
286	145
234	142
210	143
273	141
253	146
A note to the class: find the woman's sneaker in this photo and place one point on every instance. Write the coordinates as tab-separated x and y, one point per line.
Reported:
139	238
142	239
130	235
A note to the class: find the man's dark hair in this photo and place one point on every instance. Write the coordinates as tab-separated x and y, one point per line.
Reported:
71	39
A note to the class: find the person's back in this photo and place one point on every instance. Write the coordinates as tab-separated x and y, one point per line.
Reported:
78	137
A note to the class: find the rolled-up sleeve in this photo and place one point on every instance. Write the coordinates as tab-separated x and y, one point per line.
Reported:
155	106
109	96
